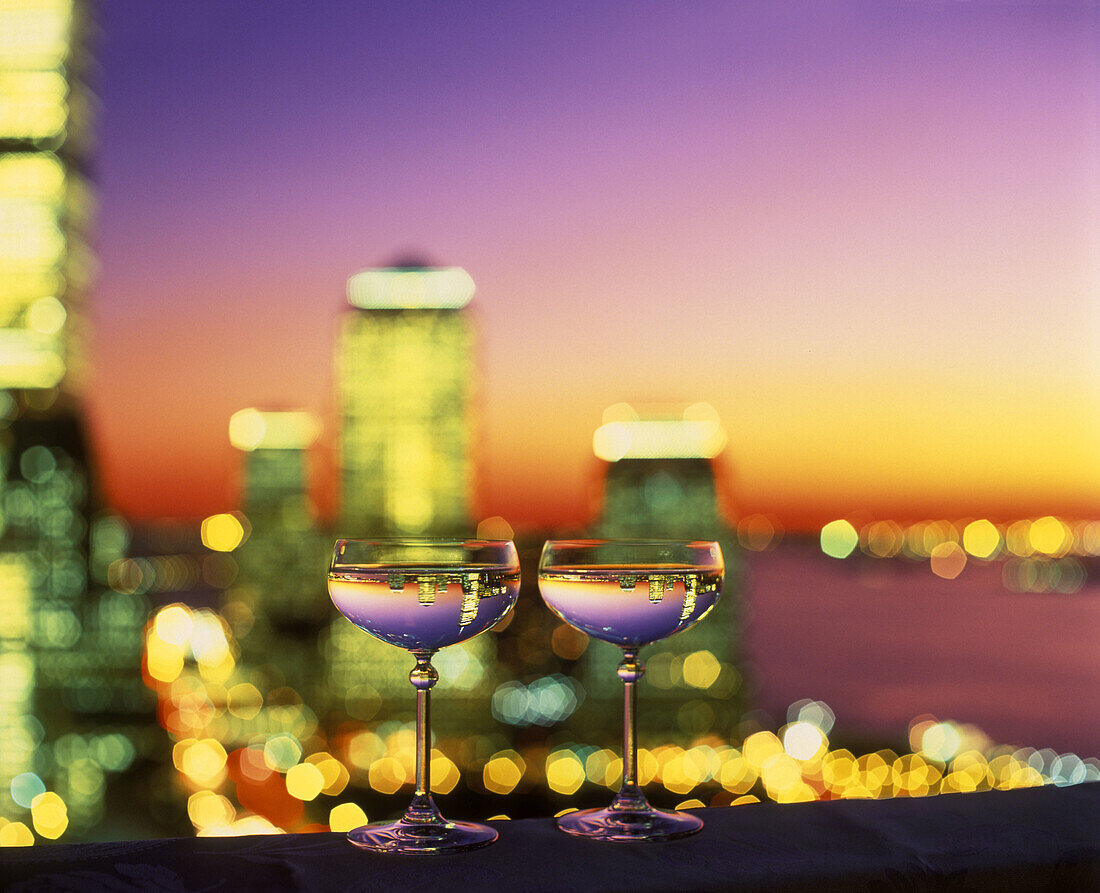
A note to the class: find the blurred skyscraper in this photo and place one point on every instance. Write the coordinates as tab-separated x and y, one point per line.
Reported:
405	378
284	559
660	483
69	662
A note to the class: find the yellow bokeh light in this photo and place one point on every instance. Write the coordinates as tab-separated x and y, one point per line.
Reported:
445	774
207	810
800	792
679	775
334	773
736	775
883	539
16	834
340	777
564	772
839	539
218	672
981	538
503	772
222	532
780	773
164	660
874	772
758	747
304	781
1087	536
49	815
838	770
364	748
346	817
973	765
597	764
244	700
1018	539
1050	536
386	775
173	624
701	669
203	762
693	803
947	560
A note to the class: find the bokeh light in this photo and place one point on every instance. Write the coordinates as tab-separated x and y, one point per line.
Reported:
223	532
947	560
345	817
839	539
981	539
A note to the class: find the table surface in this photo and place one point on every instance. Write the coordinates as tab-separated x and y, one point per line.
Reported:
1039	838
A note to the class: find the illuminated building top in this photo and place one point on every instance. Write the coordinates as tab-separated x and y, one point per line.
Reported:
45	202
694	433
253	429
411	288
405	378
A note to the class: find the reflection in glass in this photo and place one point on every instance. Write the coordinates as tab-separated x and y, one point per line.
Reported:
423	595
630	593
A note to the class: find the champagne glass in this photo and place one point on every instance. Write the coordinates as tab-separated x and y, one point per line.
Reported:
630	593
423	594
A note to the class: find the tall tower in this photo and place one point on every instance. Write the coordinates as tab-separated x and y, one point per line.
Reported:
405	381
660	483
284	560
53	638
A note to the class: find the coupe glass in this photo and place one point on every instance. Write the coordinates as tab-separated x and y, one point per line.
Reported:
423	594
630	593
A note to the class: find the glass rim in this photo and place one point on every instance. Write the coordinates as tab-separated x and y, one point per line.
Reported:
632	541
451	541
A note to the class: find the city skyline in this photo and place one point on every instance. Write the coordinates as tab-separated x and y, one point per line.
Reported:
865	234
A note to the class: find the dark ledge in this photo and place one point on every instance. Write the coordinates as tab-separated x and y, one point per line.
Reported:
1036	839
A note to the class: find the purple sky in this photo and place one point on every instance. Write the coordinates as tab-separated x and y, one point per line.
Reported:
866	232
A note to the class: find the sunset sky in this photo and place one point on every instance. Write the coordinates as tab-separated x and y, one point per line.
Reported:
867	233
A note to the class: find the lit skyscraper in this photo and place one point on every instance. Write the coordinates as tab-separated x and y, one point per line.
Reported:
660	483
405	381
68	661
45	201
284	559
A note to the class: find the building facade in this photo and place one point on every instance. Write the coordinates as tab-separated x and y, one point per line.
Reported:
405	378
70	660
660	483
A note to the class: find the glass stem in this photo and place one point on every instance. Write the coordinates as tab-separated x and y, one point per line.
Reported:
423	810
630	795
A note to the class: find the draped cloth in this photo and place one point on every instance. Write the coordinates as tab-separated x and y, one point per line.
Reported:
1035	839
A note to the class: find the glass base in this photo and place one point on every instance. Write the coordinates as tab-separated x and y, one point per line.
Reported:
422	838
629	825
